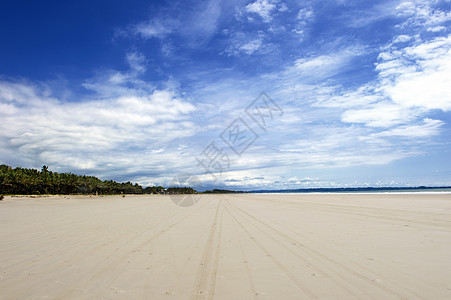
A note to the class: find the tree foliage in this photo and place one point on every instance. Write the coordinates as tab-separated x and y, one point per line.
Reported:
180	190
22	181
33	182
154	190
220	191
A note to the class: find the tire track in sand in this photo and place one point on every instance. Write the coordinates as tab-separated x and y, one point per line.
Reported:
324	257
205	282
308	292
315	267
246	265
114	267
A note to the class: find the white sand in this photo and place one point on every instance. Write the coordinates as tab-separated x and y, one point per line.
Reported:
227	247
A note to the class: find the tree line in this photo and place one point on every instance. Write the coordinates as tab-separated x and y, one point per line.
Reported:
222	191
23	181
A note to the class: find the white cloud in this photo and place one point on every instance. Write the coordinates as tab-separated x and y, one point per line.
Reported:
419	75
422	13
304	17
203	21
305	14
248	44
319	62
412	80
132	126
154	28
402	38
375	12
251	47
113	83
92	134
320	67
427	129
436	29
136	61
195	24
329	146
283	7
263	8
406	8
167	49
364	95
382	114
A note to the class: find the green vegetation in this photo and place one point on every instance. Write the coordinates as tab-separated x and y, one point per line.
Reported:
180	190
33	182
22	181
154	190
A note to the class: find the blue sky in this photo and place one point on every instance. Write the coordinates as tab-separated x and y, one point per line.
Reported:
358	92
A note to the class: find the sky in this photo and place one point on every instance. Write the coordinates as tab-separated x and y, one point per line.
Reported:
244	95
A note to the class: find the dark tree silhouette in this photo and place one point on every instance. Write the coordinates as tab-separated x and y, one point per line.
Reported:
21	181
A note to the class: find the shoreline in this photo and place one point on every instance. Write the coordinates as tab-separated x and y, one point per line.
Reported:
360	193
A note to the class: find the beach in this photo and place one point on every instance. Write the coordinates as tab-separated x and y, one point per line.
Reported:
230	246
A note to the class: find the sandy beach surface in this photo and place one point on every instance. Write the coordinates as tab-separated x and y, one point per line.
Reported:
243	246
